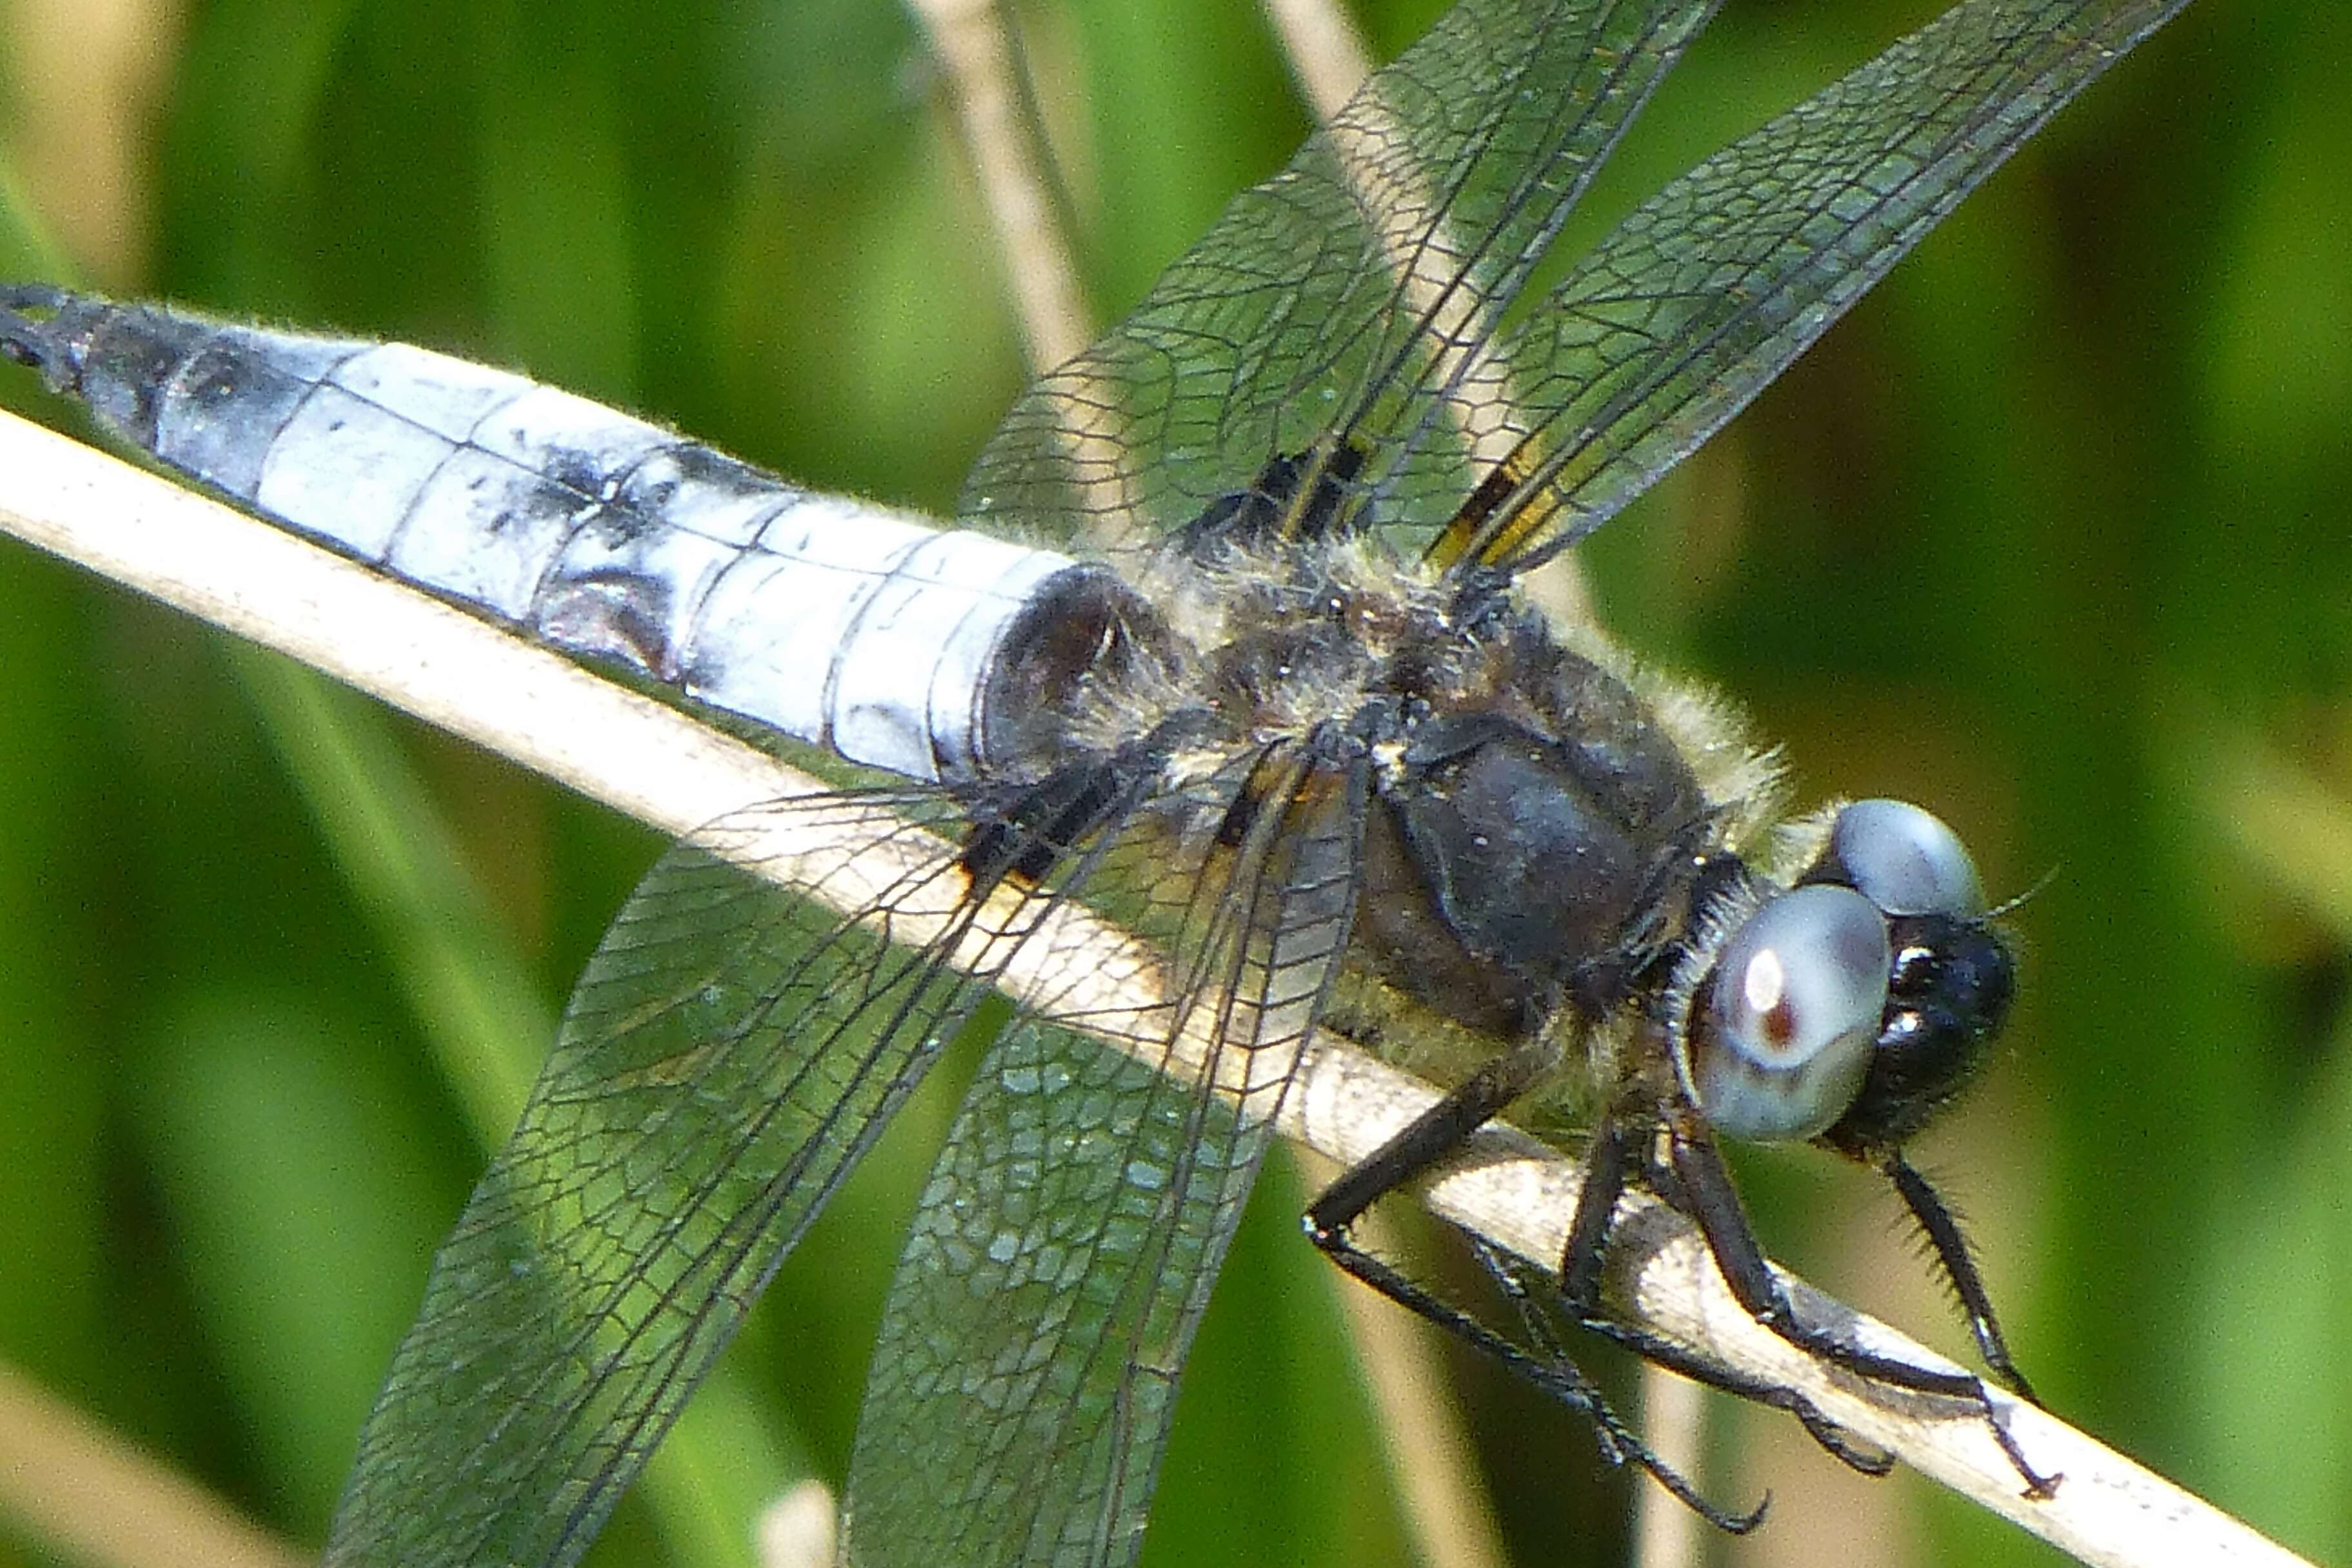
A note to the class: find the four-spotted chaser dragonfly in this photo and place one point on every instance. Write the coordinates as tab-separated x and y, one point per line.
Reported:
1231	650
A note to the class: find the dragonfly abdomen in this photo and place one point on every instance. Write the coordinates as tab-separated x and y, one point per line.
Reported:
839	622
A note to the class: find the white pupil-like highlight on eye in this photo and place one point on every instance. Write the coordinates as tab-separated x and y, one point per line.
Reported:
1791	1016
1766	992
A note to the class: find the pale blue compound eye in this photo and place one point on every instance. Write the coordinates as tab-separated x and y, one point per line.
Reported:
1789	1019
1905	859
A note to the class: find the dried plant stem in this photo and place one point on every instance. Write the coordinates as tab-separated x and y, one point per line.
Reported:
1438	1488
661	766
83	1490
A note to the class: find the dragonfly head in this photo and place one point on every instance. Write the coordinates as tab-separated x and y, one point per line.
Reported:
1853	1006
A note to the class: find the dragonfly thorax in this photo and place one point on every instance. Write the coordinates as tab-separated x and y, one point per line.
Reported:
1534	855
1553	838
1536	821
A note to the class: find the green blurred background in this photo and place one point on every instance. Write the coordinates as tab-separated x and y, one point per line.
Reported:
2050	536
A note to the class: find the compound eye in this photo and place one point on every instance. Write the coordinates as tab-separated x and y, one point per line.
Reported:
1905	859
1791	1015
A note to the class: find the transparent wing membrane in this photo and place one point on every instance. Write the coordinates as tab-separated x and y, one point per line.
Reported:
1346	349
1694	303
1069	1236
730	1054
1340	295
1353	298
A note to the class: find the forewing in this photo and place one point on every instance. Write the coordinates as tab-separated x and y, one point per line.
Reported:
1711	288
1338	297
730	1053
1073	1227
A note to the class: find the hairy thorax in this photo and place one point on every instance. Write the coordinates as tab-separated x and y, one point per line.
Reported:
1539	810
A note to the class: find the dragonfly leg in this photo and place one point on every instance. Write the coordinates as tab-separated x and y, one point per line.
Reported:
1705	1187
1551	1372
1429	1138
1581	1262
1432	1136
1835	1440
1942	1228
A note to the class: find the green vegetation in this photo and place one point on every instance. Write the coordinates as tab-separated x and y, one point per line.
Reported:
2050	536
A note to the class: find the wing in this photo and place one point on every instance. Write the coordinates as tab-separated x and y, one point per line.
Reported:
1351	301
1069	1236
730	1052
1337	296
1691	305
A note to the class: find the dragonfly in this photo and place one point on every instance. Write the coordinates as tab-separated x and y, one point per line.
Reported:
1230	649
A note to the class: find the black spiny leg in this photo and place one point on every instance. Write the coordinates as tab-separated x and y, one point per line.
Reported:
1714	1205
1582	1260
1430	1138
1433	1136
1943	1232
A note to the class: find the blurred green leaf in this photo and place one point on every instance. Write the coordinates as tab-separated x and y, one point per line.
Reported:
470	992
2078	470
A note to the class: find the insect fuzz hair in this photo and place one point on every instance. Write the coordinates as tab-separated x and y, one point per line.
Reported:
1262	642
1288	635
